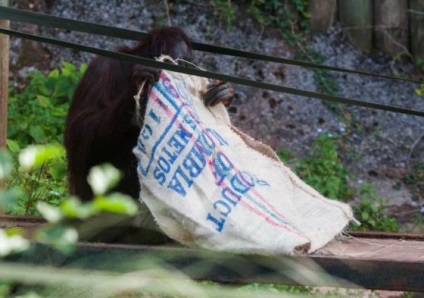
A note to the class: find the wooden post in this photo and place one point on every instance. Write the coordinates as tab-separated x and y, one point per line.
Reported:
416	13
323	13
391	26
4	81
4	78
356	17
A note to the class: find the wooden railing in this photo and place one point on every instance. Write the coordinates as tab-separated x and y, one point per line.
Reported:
370	260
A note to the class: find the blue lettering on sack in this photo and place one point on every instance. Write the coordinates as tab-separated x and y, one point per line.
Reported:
180	182
174	106
185	135
192	165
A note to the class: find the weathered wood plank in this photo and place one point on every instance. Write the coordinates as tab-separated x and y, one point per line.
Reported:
416	13
391	26
356	17
370	260
345	272
323	14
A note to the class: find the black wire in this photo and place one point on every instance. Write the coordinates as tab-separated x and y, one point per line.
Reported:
31	17
211	75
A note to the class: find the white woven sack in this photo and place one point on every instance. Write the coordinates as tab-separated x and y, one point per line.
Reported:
209	185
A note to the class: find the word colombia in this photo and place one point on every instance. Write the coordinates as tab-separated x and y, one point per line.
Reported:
176	150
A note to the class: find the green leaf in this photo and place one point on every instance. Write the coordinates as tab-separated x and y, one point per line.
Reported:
53	74
49	83
57	170
72	208
365	215
62	87
83	68
68	69
44	101
38	134
50	213
103	178
6	165
116	203
60	237
307	15
11	243
13	147
10	198
35	156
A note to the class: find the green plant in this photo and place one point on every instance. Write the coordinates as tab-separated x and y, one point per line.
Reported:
323	168
36	113
225	10
290	17
370	214
415	181
420	90
59	235
43	183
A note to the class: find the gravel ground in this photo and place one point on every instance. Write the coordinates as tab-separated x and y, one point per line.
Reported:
381	147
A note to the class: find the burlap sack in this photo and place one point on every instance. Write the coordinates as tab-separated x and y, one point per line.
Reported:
209	185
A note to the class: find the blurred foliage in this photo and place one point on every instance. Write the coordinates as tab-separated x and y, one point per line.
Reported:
276	288
157	281
20	280
58	234
41	177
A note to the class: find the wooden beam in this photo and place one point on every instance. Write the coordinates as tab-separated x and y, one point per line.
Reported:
311	270
369	260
